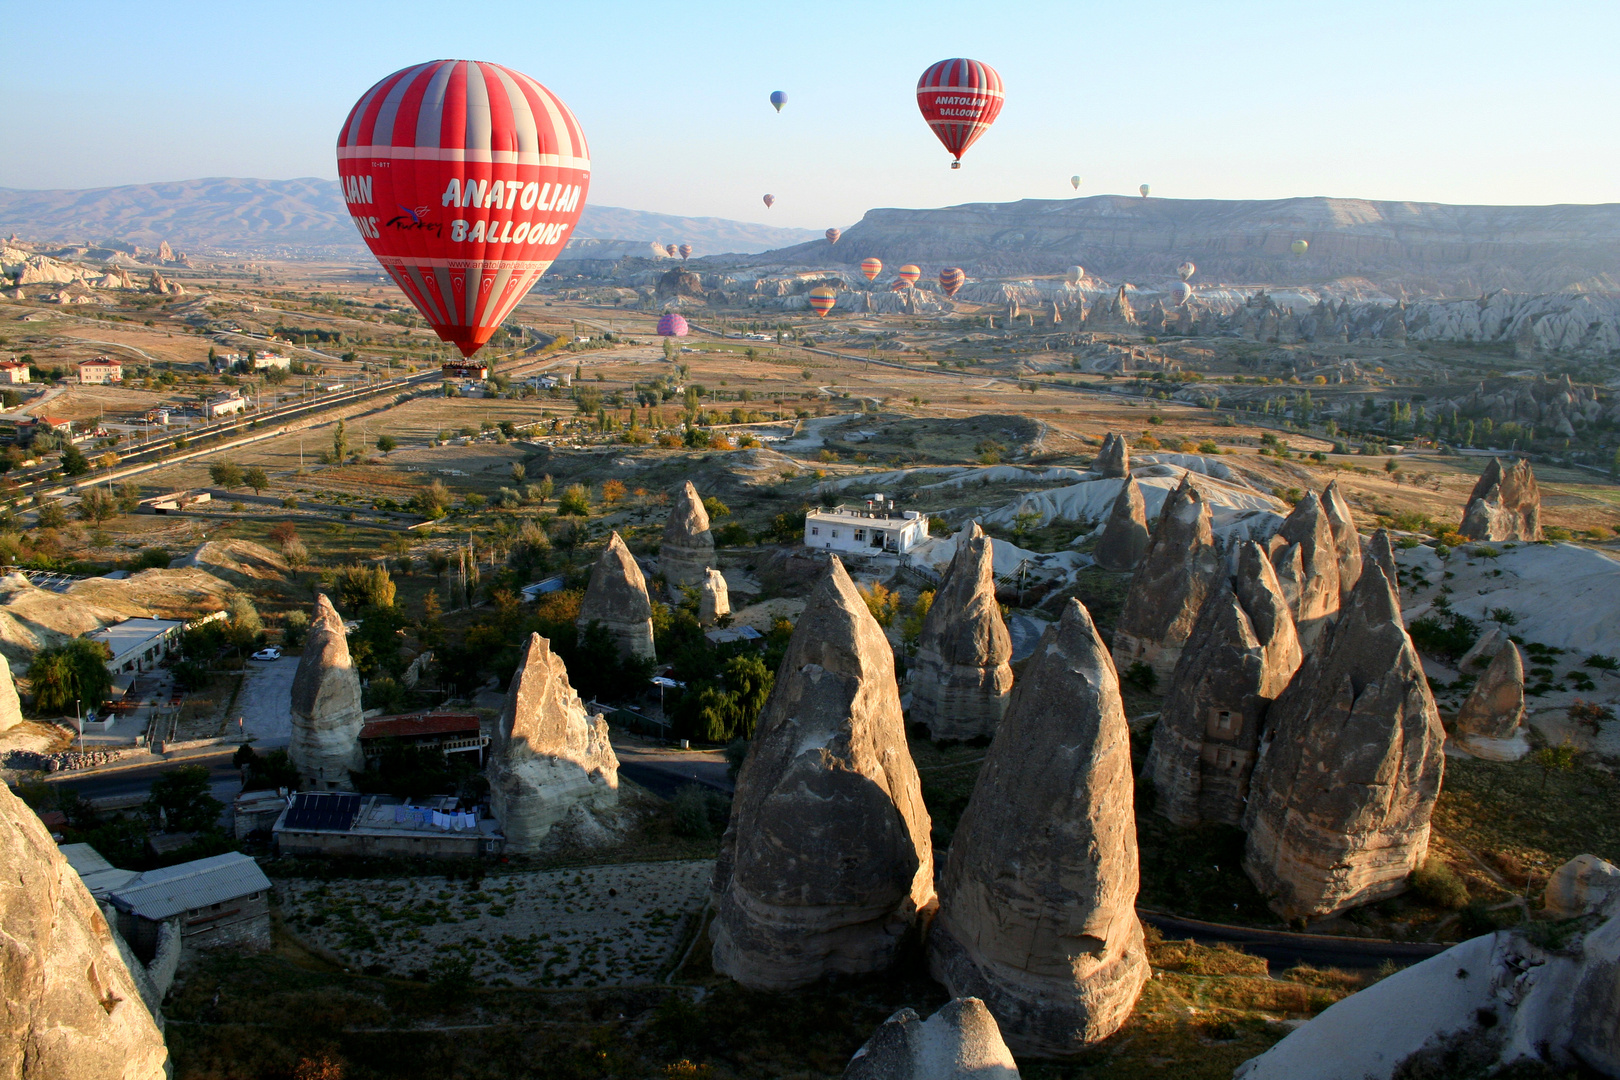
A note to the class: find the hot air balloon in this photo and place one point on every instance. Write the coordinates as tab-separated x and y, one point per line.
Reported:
898	286
779	99
1075	274
1075	180
770	201
822	300
1186	270
871	268
1144	189
833	235
960	99
686	252
1180	292
671	250
1300	247
671	324
909	274
950	279
465	180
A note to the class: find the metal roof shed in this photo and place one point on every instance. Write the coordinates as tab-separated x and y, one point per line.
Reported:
172	890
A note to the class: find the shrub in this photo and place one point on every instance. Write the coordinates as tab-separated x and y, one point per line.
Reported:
1443	634
152	558
1142	676
74	673
691	812
365	586
1436	883
575	501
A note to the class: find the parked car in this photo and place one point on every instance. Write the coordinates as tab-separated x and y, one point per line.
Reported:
272	653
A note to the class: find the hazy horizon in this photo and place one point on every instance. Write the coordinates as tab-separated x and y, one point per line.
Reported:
1244	101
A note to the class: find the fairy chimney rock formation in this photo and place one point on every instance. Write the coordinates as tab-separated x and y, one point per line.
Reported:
1505	504
1487	724
72	1008
1125	536
1345	538
714	598
959	1042
1241	655
326	711
1306	558
827	862
617	598
1037	902
1351	762
1170	585
1114	459
10	707
549	756
963	671
688	548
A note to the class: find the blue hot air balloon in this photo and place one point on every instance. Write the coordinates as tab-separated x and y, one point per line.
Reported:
779	99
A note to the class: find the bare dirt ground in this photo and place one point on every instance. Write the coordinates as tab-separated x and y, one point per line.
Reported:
617	925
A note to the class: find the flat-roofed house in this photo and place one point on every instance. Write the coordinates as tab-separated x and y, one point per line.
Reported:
224	404
101	370
875	530
138	644
223	900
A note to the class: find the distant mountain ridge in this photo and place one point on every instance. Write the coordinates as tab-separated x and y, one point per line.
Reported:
304	217
1405	248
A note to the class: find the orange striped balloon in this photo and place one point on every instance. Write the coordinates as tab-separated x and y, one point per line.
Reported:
822	300
909	274
950	279
871	268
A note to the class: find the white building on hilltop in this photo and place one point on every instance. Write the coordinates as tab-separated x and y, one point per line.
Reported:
874	529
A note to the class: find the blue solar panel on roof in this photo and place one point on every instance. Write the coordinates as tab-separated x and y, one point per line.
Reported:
323	810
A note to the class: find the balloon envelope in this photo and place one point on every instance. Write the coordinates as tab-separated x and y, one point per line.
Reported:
686	251
833	235
950	279
1180	292
779	99
1075	274
1186	270
465	180
671	324
1075	180
959	99
1144	189
909	273
871	268
1300	247
770	201
671	250
822	300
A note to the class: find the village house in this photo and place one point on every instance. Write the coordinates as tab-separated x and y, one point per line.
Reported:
13	371
101	370
875	529
231	401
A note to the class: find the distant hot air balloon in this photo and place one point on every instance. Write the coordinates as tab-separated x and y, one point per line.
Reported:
1186	270
1075	180
465	180
833	235
770	201
779	99
909	274
671	324
950	279
898	286
960	99
871	268
1144	189
686	252
822	300
1075	274
671	250
1300	247
1180	292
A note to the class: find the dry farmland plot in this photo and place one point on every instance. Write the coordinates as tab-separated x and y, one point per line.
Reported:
579	927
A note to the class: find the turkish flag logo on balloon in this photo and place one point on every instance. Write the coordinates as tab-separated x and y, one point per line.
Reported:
459	169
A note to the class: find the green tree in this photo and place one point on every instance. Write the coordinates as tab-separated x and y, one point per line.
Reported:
519	473
98	505
69	675
225	474
365	586
256	478
385	443
181	802
74	463
547	487
340	444
575	501
432	501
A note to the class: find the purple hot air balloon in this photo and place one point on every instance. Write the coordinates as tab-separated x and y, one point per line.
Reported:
672	324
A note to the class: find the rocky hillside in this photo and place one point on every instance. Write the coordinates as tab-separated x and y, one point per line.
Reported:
304	217
1406	249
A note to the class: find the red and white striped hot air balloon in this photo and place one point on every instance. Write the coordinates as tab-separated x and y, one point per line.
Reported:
909	274
871	268
950	279
960	99
833	235
822	300
686	252
671	250
465	179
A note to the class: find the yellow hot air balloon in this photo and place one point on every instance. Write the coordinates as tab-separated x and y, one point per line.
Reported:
1144	189
871	268
1075	180
1300	247
822	300
909	274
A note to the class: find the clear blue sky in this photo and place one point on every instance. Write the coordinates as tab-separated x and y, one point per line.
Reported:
1422	100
